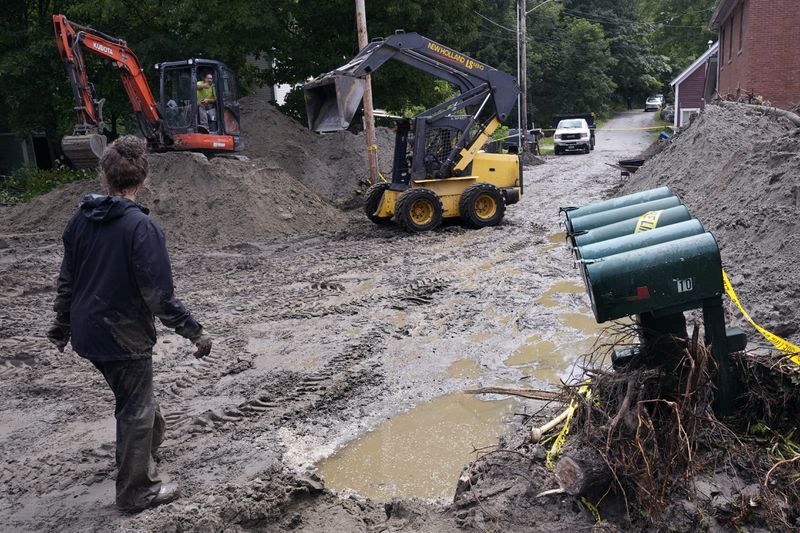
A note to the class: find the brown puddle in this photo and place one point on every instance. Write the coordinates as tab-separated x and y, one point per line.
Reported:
556	240
419	453
547	361
561	287
464	368
584	322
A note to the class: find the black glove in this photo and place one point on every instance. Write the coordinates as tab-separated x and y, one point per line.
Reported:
203	343
59	334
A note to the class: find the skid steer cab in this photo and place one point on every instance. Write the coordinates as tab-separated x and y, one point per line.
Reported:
439	170
200	105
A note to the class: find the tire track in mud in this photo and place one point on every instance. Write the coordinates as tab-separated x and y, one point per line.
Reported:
420	291
49	472
340	375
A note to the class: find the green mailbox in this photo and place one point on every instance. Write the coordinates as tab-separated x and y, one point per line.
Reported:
577	225
673	215
644	255
620	201
642	239
665	278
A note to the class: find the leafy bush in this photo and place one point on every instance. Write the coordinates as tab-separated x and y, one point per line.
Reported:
29	181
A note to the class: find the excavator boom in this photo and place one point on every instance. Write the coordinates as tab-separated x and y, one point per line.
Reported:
85	146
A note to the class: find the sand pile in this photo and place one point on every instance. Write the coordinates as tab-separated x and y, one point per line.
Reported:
197	201
738	171
334	165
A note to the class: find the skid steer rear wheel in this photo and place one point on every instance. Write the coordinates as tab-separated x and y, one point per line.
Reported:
482	205
418	210
372	201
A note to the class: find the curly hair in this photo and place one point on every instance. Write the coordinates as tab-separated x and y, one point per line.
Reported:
123	165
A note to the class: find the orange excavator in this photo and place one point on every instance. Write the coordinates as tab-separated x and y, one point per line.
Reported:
176	122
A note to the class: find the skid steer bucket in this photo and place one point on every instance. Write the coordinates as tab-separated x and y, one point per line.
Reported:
84	151
332	101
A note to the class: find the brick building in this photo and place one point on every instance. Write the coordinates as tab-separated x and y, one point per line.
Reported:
759	45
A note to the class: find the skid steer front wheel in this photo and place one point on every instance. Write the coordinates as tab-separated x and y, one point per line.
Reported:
482	205
418	210
372	201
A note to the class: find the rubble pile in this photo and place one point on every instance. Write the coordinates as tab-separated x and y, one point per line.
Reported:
291	182
334	164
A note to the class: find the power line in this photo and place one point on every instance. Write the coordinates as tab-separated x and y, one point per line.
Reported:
495	23
619	21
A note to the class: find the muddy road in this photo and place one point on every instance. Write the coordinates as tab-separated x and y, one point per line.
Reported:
318	341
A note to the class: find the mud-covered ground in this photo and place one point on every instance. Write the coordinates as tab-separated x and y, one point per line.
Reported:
318	340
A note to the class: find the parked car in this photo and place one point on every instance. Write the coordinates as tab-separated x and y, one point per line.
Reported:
589	117
652	104
662	99
572	135
511	142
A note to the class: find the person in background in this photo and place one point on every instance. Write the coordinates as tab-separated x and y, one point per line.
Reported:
206	101
115	277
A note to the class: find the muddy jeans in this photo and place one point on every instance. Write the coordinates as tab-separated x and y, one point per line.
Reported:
140	430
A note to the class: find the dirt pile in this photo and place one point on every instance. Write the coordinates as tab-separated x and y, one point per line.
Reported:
200	201
738	171
334	165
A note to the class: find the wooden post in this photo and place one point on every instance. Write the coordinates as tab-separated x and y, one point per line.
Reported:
523	75
580	470
369	118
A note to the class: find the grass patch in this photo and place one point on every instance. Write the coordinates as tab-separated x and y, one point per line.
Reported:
29	182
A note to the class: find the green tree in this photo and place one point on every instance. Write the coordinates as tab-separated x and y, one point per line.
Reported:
322	36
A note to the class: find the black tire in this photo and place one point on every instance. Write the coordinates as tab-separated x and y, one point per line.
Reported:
372	200
556	150
418	210
587	149
591	144
482	205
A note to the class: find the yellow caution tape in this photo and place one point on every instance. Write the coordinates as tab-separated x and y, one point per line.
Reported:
622	129
648	221
592	509
637	129
555	449
785	346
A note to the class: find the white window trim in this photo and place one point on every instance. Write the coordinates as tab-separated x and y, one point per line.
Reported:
688	111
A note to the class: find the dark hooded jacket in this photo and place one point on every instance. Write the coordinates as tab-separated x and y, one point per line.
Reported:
115	277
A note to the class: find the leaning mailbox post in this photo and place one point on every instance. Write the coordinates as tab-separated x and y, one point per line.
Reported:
644	255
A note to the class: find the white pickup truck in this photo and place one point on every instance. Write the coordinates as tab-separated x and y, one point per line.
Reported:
572	135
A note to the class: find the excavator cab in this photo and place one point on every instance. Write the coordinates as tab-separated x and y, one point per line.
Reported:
193	124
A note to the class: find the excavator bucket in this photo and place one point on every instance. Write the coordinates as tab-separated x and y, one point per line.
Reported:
332	101
84	151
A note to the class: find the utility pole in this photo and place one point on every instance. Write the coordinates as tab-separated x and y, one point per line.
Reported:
523	74
369	118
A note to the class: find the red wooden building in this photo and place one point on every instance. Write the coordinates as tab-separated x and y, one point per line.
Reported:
694	86
759	49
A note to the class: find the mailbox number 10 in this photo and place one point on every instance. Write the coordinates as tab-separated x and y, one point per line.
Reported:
684	285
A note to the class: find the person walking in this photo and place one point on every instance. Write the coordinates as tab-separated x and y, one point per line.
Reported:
115	277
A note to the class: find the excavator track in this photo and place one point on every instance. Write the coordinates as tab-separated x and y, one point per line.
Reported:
84	151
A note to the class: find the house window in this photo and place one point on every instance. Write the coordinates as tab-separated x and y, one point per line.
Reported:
741	26
686	116
730	41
